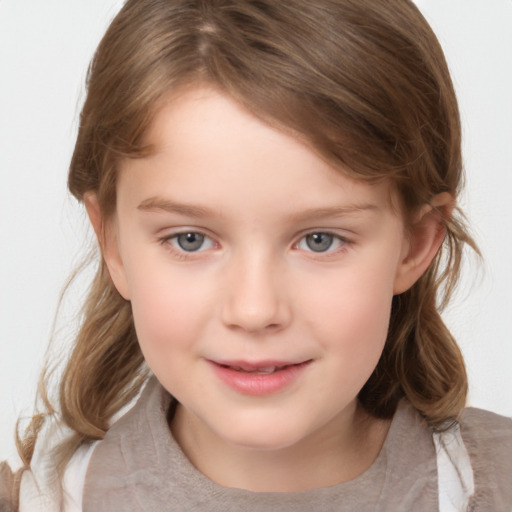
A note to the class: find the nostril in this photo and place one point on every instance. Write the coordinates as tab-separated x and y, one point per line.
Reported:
253	325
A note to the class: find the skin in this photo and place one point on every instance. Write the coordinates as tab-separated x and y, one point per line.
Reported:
256	290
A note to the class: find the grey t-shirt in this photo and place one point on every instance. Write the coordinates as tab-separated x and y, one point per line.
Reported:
139	466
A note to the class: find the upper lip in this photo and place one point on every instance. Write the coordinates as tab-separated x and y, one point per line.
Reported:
255	365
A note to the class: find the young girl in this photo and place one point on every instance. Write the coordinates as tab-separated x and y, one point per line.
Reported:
274	190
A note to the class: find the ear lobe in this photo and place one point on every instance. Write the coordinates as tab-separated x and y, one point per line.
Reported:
106	234
425	238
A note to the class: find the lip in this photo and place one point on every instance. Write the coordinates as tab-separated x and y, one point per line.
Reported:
243	376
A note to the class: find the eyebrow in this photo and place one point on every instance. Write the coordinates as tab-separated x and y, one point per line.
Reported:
165	205
334	211
195	211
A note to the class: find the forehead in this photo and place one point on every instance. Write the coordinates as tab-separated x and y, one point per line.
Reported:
206	144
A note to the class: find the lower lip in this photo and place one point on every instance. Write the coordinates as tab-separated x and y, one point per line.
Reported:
259	384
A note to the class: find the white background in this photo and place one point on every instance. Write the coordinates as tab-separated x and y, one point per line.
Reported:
45	48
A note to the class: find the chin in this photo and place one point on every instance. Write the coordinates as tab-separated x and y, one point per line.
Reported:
265	439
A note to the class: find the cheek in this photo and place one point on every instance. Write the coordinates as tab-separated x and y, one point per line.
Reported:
357	297
169	310
350	319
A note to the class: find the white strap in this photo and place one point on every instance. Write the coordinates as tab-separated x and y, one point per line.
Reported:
74	478
40	490
456	483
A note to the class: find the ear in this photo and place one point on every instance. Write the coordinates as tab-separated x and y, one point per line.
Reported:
425	238
106	233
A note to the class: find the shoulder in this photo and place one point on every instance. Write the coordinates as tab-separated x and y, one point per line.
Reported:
41	488
73	480
488	436
488	439
78	470
473	419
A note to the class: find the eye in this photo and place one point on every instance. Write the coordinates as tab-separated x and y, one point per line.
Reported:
320	242
190	242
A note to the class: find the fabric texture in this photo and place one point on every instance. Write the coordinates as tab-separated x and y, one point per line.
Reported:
138	454
488	438
40	488
139	466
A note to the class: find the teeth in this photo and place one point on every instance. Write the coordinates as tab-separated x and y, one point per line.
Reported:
269	369
264	371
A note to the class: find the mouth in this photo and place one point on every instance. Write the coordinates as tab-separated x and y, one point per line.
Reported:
261	371
262	368
259	378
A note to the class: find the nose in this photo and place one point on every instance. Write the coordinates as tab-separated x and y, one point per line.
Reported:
256	296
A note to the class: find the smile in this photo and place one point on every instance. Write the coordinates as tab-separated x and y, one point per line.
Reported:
258	379
264	370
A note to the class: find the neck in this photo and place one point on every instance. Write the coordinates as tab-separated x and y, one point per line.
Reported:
340	452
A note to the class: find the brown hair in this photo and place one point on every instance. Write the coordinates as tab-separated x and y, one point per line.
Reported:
365	82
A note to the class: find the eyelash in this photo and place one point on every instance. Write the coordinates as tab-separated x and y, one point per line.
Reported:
183	254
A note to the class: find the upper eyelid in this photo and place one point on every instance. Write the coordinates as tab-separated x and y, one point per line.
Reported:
167	233
346	236
186	231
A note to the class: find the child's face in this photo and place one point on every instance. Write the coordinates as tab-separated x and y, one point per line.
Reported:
240	249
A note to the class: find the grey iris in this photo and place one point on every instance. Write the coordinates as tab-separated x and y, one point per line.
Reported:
319	242
190	242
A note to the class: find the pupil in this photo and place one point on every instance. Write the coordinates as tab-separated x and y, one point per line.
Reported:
190	241
319	242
